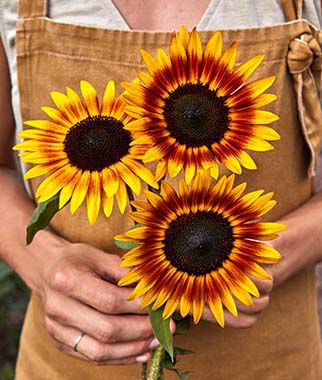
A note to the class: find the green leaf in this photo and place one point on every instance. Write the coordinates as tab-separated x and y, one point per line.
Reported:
167	362
182	351
128	245
125	245
182	324
42	216
181	374
5	271
161	329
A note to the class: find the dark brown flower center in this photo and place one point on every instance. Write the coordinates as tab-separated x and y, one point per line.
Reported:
198	243
96	143
195	115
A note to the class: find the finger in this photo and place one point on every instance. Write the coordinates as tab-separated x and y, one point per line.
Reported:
260	304
90	289
126	361
94	350
106	297
106	265
264	286
105	328
242	321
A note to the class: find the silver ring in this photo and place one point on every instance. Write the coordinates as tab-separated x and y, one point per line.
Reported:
78	340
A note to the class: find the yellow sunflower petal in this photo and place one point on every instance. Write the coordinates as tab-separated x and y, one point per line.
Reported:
232	164
93	197
258	145
258	86
173	300
129	278
67	191
163	58
152	154
257	271
161	170
184	37
39	146
264	117
213	49
43	157
214	300
90	97
79	108
267	133
176	160
128	177
198	299
80	191
46	125
152	64
190	168
214	171
195	55
55	182
57	116
140	170
178	58
121	196
246	69
242	295
186	298
110	181
228	58
264	99
118	108
63	104
225	295
42	169
137	125
41	135
241	278
245	159
108	99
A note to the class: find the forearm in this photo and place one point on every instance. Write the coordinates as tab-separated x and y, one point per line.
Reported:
301	243
16	209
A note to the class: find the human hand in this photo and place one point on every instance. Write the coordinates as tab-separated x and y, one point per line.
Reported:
245	315
298	252
81	296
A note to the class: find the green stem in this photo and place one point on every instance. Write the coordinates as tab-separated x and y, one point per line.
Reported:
143	371
156	368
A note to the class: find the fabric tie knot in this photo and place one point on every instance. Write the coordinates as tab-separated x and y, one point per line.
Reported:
304	61
305	52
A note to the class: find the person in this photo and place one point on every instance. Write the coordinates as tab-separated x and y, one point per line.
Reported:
78	323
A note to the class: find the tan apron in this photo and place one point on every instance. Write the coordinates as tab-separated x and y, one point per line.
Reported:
285	343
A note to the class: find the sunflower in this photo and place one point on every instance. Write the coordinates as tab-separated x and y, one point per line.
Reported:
86	151
199	244
198	109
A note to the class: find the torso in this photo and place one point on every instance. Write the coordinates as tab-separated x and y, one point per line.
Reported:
163	14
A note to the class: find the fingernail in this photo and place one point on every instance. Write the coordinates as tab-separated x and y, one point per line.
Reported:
142	359
154	344
172	326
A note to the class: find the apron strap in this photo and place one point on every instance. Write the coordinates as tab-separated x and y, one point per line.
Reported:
293	9
32	8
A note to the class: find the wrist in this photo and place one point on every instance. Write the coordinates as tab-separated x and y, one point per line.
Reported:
41	253
296	249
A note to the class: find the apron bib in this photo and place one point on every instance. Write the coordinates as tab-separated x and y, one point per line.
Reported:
285	342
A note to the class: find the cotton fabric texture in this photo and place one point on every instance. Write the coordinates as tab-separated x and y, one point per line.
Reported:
285	342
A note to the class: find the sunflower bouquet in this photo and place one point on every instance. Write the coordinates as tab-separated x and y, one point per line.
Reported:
195	242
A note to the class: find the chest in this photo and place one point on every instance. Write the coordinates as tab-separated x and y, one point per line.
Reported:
162	14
